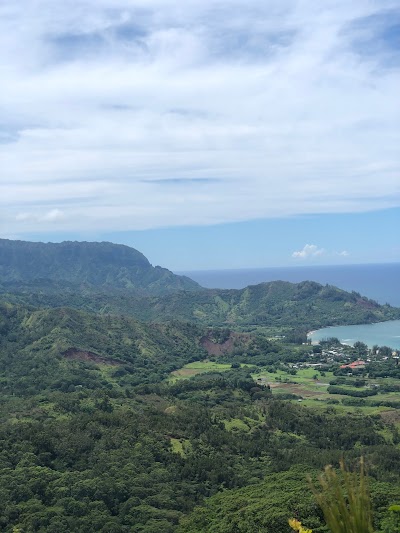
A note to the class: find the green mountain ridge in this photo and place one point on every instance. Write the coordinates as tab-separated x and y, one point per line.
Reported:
279	304
276	303
95	264
106	278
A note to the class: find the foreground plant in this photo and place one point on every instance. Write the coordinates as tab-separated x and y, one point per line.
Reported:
345	500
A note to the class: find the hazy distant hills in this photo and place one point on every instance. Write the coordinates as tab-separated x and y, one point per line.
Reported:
96	264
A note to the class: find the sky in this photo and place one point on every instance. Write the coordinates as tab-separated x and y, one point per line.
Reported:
207	134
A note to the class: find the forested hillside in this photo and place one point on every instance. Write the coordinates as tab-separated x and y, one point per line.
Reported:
105	426
279	304
276	303
95	264
42	343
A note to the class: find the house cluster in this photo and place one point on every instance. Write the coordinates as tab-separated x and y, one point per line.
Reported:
327	357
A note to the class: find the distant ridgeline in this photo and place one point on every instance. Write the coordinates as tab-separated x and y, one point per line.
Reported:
114	279
100	265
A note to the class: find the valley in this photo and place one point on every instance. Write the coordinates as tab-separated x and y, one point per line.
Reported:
192	411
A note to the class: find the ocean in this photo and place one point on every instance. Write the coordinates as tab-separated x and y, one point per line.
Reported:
380	282
382	334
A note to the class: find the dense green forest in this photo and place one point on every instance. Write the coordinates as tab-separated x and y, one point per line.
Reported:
96	436
91	264
278	304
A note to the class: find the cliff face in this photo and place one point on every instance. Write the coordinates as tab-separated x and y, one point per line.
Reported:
97	264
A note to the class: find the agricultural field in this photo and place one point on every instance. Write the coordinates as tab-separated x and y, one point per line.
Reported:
308	386
307	382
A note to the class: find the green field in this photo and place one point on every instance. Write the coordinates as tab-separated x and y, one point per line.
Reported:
199	367
308	384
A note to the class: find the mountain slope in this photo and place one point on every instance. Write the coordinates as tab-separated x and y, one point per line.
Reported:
277	303
97	264
306	305
38	347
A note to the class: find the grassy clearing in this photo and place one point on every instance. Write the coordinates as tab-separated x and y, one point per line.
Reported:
199	367
177	446
314	403
180	446
306	383
106	372
236	424
304	375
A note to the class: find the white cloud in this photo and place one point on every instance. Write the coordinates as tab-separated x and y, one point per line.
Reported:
54	215
115	111
309	250
22	217
312	251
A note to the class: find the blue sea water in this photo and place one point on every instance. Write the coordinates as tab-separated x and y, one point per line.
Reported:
382	334
380	282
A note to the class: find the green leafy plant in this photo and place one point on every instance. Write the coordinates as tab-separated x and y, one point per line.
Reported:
391	523
345	500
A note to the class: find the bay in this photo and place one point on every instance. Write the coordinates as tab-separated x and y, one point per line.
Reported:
381	333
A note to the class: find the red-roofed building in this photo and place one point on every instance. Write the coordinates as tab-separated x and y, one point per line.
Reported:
355	364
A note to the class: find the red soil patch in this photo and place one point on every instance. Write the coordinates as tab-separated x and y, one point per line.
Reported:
82	355
215	348
186	372
367	304
392	417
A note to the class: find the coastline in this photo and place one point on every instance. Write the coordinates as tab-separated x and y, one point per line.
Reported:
384	333
326	327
